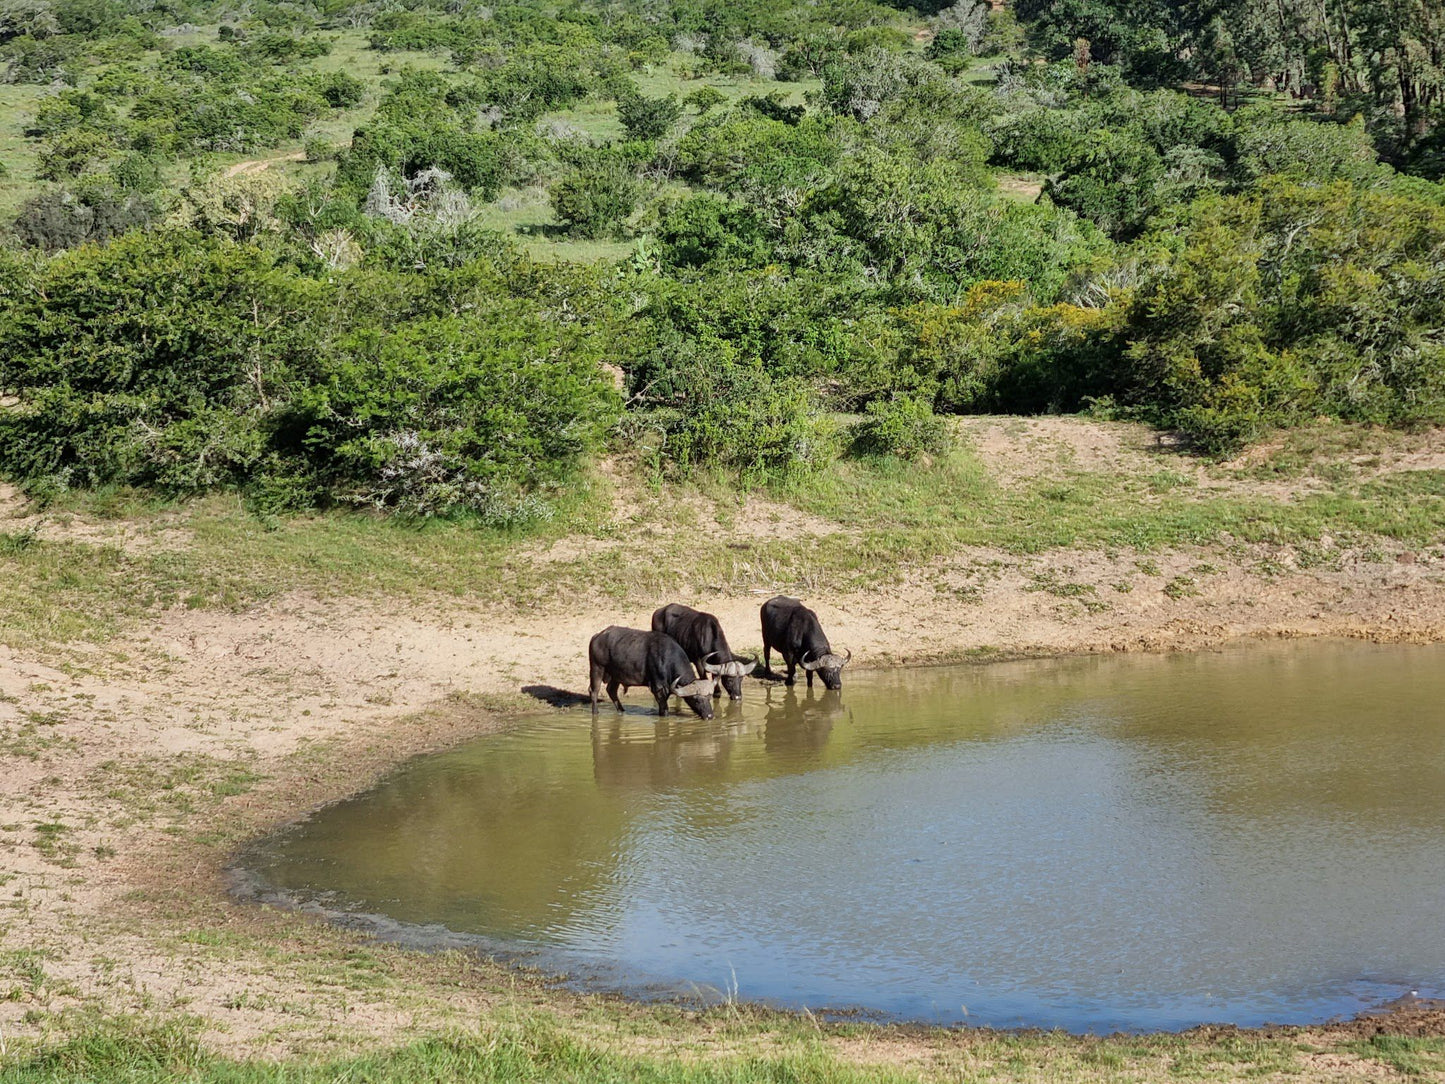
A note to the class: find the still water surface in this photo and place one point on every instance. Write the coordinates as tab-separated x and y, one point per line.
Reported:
1249	836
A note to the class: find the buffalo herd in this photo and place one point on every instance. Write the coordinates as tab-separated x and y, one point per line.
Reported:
687	655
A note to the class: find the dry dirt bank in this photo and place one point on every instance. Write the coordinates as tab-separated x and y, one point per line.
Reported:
132	768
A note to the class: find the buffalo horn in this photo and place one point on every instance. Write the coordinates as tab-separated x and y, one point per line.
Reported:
733	668
700	687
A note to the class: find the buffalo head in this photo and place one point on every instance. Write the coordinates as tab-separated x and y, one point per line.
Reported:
829	667
696	694
730	674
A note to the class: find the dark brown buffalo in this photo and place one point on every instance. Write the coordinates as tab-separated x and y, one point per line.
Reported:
794	630
701	636
618	656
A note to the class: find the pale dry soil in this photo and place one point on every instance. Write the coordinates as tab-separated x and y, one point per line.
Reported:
130	770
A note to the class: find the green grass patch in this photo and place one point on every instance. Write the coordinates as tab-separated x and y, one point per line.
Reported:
1409	1055
535	1049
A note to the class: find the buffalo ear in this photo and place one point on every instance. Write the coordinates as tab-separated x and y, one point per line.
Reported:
749	668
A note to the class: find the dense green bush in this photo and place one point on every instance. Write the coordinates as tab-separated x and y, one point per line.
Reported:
147	361
479	413
360	335
707	230
905	427
647	118
59	218
186	363
596	200
732	414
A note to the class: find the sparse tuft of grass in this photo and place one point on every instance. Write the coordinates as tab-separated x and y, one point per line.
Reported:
1182	587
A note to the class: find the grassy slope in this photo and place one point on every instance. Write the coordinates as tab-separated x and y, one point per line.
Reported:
876	521
525	214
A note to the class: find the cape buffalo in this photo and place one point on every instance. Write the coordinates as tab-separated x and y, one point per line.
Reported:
794	630
618	656
701	636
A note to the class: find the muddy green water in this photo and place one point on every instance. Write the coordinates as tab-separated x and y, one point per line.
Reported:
1249	836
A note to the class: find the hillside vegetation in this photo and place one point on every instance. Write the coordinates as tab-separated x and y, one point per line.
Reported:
434	259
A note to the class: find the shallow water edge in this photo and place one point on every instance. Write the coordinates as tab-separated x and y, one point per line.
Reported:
791	747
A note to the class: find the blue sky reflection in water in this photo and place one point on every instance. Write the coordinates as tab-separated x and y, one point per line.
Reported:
1255	835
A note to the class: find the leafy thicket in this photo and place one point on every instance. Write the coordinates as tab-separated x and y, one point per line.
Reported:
187	362
1214	219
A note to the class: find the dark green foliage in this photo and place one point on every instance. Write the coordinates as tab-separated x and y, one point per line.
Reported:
1296	302
705	230
1305	150
473	159
905	427
186	363
732	414
705	98
422	30
139	362
341	90
745	151
648	118
950	50
530	81
59	219
451	414
596	200
1112	183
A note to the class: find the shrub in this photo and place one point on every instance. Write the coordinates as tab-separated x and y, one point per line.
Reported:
319	149
61	219
187	362
905	427
1113	184
597	200
706	230
737	417
145	362
950	50
705	98
341	90
648	118
1306	150
450	414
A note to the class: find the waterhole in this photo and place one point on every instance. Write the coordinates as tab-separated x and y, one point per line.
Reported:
1249	836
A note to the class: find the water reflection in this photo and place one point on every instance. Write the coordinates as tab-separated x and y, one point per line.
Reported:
676	748
797	727
1086	843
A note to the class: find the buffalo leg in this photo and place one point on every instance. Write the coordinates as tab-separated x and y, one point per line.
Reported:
612	693
594	683
810	676
767	657
661	698
792	669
